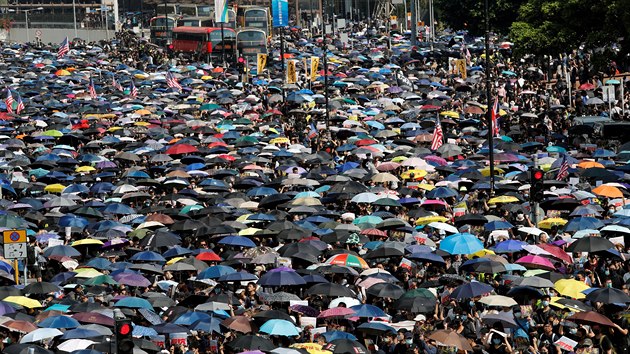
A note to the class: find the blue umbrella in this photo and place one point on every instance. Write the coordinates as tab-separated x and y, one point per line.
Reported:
59	322
176	251
142	331
167	328
315	278
99	263
603	153
148	256
462	243
509	246
134	303
78	333
237	241
6	308
332	335
368	311
238	276
208	325
498	225
215	272
441	192
61	250
277	327
583	222
427	257
188	318
470	290
119	209
76	188
281	278
261	192
375	327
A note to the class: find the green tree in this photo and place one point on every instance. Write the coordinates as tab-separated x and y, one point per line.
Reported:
469	14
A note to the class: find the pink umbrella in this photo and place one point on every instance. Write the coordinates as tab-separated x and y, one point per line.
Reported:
336	312
387	166
368	282
534	261
438	160
433	202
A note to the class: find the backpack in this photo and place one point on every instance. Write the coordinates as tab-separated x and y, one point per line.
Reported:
30	255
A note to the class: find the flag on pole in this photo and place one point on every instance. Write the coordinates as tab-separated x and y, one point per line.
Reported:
171	81
20	104
9	101
313	131
92	89
563	172
438	135
495	116
64	48
134	90
116	84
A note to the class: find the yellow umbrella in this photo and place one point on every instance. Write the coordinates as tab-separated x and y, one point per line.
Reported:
486	171
142	124
84	169
548	223
248	231
307	346
143	112
426	187
206	77
87	241
571	288
175	260
425	220
23	301
503	199
113	129
450	114
482	253
417	174
55	188
281	140
399	159
87	273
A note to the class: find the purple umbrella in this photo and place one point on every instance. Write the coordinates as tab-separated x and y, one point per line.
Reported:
6	308
132	279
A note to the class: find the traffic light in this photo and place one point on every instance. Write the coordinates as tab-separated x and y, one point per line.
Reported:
536	191
124	342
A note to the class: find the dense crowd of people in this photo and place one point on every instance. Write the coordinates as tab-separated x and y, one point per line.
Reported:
226	211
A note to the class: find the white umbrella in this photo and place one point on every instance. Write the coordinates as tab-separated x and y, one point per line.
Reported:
349	301
41	334
615	228
365	197
531	230
443	226
498	300
75	344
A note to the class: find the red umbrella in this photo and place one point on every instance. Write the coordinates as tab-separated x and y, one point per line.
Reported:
336	312
556	252
94	317
587	86
208	256
591	317
179	149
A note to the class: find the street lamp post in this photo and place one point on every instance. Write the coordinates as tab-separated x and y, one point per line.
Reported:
26	12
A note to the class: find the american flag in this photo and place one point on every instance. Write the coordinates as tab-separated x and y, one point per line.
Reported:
92	89
9	101
134	90
116	85
64	48
563	172
495	115
171	81
438	136
20	104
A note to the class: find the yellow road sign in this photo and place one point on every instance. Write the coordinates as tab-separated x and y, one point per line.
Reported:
14	236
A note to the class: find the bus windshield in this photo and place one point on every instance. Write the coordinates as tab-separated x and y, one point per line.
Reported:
162	22
256	18
203	10
215	36
169	9
188	10
189	22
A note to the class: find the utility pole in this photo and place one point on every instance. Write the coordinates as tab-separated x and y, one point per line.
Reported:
488	102
414	23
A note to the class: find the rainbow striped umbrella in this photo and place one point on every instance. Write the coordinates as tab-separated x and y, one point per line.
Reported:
348	260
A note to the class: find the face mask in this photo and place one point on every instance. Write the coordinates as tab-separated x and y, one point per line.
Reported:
496	341
518	315
607	272
545	303
609	285
408	341
573	330
471	303
463	317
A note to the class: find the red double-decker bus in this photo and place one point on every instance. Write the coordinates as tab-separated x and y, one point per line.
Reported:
204	41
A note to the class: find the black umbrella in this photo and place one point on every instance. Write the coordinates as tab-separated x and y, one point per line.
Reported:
330	289
590	244
471	219
576	304
252	342
41	288
386	290
345	346
24	348
384	252
273	314
608	296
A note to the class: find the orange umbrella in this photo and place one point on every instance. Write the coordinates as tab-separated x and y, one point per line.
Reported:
590	164
608	191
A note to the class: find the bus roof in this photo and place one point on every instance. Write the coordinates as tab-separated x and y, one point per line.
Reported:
246	29
196	18
187	29
162	16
